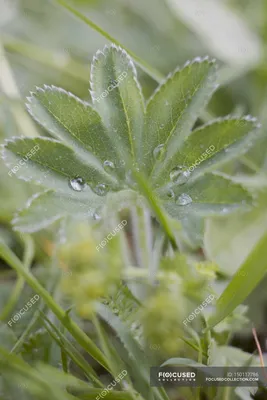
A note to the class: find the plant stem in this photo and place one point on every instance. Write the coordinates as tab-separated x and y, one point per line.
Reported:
27	260
70	325
156	207
156	75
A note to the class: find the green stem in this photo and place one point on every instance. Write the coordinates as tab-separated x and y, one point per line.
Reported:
103	343
27	260
70	325
156	75
156	207
227	393
72	352
249	163
25	334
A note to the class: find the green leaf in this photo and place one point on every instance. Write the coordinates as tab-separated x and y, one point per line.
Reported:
211	194
56	206
7	336
244	281
212	145
182	361
81	337
173	110
73	121
117	97
138	361
124	334
228	355
92	394
112	149
228	241
51	164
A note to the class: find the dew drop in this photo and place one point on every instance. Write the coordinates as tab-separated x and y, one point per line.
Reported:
184	199
179	176
101	189
170	194
77	184
96	216
175	173
158	151
108	166
161	126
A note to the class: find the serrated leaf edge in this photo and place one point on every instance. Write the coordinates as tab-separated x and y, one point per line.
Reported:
187	65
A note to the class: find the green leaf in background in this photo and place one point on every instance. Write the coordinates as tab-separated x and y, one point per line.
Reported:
243	282
228	241
228	355
209	19
182	361
7	336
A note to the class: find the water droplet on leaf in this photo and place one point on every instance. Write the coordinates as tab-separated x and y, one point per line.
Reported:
108	166
170	193
96	216
179	176
184	199
158	151
101	189
77	184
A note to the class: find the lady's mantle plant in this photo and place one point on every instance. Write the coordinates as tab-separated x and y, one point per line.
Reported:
120	152
121	145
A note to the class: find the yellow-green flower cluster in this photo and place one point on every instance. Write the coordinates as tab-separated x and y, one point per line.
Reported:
207	269
94	274
162	320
